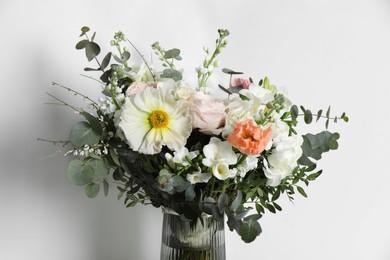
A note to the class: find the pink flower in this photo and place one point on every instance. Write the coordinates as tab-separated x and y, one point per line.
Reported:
208	113
244	83
249	138
137	87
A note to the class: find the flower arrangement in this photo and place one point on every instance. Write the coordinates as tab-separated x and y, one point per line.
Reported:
169	143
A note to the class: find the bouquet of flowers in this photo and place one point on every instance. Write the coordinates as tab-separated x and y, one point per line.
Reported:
169	143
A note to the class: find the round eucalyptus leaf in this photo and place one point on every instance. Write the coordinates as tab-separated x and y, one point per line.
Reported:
250	230
92	190
79	173
92	50
82	134
99	167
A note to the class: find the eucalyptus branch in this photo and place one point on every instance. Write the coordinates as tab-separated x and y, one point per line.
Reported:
100	66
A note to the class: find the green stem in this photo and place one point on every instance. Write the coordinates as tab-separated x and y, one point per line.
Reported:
142	57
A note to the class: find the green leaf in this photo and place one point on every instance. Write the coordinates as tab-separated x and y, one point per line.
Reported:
225	89
236	202
92	190
276	195
99	167
106	61
250	230
172	74
277	206
114	156
82	134
91	69
259	208
231	72
260	192
125	56
271	208
314	176
78	173
294	112
84	30
333	145
308	116
222	202
93	122
319	113
302	191
81	44
92	49
172	54
106	187
190	193
132	204
328	112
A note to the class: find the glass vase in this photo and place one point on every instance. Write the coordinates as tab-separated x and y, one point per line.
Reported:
192	240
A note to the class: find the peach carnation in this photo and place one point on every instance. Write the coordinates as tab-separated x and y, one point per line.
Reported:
249	138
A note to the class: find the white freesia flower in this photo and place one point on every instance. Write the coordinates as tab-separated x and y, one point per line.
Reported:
219	155
181	157
221	171
152	119
198	177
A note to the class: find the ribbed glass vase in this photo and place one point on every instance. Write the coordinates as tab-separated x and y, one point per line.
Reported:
192	240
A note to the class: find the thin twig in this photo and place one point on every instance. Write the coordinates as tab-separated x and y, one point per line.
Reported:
75	92
143	58
63	103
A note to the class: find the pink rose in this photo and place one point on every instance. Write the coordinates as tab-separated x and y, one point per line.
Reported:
208	113
137	87
244	83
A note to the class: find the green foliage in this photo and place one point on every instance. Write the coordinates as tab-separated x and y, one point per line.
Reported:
315	145
86	171
172	74
92	190
83	134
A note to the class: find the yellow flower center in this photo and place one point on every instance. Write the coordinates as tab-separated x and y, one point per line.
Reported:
159	119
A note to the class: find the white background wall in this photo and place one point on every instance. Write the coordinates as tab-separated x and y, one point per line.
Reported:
325	52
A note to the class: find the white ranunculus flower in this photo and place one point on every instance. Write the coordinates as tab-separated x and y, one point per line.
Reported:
250	163
257	93
218	151
283	158
153	118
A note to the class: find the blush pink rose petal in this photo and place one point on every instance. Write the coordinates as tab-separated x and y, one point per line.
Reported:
138	87
208	113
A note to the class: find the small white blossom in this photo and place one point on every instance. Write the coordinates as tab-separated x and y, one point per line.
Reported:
198	177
